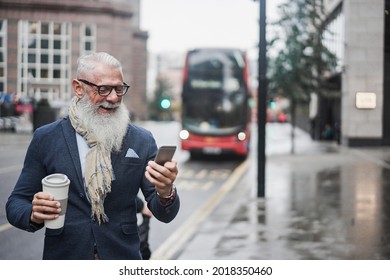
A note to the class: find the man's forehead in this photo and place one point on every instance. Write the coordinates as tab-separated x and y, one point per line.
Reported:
103	73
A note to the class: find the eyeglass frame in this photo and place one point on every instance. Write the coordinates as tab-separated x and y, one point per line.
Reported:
124	86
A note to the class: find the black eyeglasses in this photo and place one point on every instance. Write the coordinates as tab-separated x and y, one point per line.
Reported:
104	90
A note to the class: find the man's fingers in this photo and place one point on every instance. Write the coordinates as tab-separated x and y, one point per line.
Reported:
44	207
44	216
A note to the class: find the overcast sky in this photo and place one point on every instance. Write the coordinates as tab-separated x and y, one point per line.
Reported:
178	25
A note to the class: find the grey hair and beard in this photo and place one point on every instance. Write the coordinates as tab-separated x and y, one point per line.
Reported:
108	129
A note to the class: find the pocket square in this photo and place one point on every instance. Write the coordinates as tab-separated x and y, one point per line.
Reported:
131	153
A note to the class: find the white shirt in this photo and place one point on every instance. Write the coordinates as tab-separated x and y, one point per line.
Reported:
83	150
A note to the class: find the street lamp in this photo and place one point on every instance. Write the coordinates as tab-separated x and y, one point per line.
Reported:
261	100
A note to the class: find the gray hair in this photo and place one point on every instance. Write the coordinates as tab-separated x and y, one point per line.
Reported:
86	63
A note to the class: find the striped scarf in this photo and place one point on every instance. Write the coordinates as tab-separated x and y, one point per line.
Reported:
98	169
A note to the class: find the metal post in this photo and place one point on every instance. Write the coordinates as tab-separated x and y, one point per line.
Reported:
261	101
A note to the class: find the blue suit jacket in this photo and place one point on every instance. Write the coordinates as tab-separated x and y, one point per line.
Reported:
53	149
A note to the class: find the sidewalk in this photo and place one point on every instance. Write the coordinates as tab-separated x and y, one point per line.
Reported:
323	202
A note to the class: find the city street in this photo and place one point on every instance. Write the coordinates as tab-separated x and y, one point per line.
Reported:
323	202
197	181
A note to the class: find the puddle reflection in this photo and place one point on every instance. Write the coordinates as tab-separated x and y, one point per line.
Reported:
332	213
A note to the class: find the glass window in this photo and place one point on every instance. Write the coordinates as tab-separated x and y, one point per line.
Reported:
88	46
32	72
334	37
88	31
57	74
32	43
57	59
3	55
31	58
215	91
44	73
44	58
57	28
33	27
57	44
44	28
44	44
87	38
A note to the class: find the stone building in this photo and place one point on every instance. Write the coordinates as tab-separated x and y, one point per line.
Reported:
40	41
360	37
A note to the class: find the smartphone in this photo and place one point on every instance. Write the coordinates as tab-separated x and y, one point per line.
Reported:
164	154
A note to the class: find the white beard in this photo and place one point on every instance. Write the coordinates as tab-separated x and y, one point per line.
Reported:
108	129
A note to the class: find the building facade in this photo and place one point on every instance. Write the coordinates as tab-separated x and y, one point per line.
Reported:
360	37
40	41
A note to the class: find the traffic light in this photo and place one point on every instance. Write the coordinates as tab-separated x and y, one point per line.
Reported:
272	103
165	103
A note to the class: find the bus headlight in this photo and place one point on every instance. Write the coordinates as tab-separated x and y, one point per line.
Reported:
241	136
184	134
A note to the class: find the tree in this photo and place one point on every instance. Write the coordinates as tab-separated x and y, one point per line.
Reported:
298	69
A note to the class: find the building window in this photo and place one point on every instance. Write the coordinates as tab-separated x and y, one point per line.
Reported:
87	38
334	37
43	56
3	55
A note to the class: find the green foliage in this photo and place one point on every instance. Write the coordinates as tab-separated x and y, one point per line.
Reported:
299	67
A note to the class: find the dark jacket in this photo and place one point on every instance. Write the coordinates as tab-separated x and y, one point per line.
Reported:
53	149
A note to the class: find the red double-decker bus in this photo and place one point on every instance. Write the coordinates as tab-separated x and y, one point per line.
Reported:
216	113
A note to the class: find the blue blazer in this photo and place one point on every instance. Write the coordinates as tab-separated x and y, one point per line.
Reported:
53	149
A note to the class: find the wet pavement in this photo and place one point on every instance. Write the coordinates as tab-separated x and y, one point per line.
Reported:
325	202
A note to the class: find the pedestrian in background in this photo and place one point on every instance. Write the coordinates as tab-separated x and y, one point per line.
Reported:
107	160
144	227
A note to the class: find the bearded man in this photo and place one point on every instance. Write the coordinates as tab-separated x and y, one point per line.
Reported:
107	160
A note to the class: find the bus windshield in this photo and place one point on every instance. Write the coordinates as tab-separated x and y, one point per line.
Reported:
215	93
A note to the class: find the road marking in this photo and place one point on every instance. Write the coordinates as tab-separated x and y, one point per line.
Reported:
4	170
220	173
180	236
5	227
202	174
187	185
207	185
186	173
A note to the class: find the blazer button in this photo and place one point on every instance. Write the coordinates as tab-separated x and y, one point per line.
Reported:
81	194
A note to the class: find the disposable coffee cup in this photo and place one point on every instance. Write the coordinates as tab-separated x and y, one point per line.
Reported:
57	185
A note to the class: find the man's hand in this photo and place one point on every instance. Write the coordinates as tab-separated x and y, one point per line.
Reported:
145	211
44	207
162	177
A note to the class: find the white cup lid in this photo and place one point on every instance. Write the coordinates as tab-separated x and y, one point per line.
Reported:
56	179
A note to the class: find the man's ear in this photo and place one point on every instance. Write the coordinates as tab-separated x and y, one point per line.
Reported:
77	88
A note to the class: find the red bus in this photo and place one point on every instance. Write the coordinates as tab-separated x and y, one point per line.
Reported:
215	102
